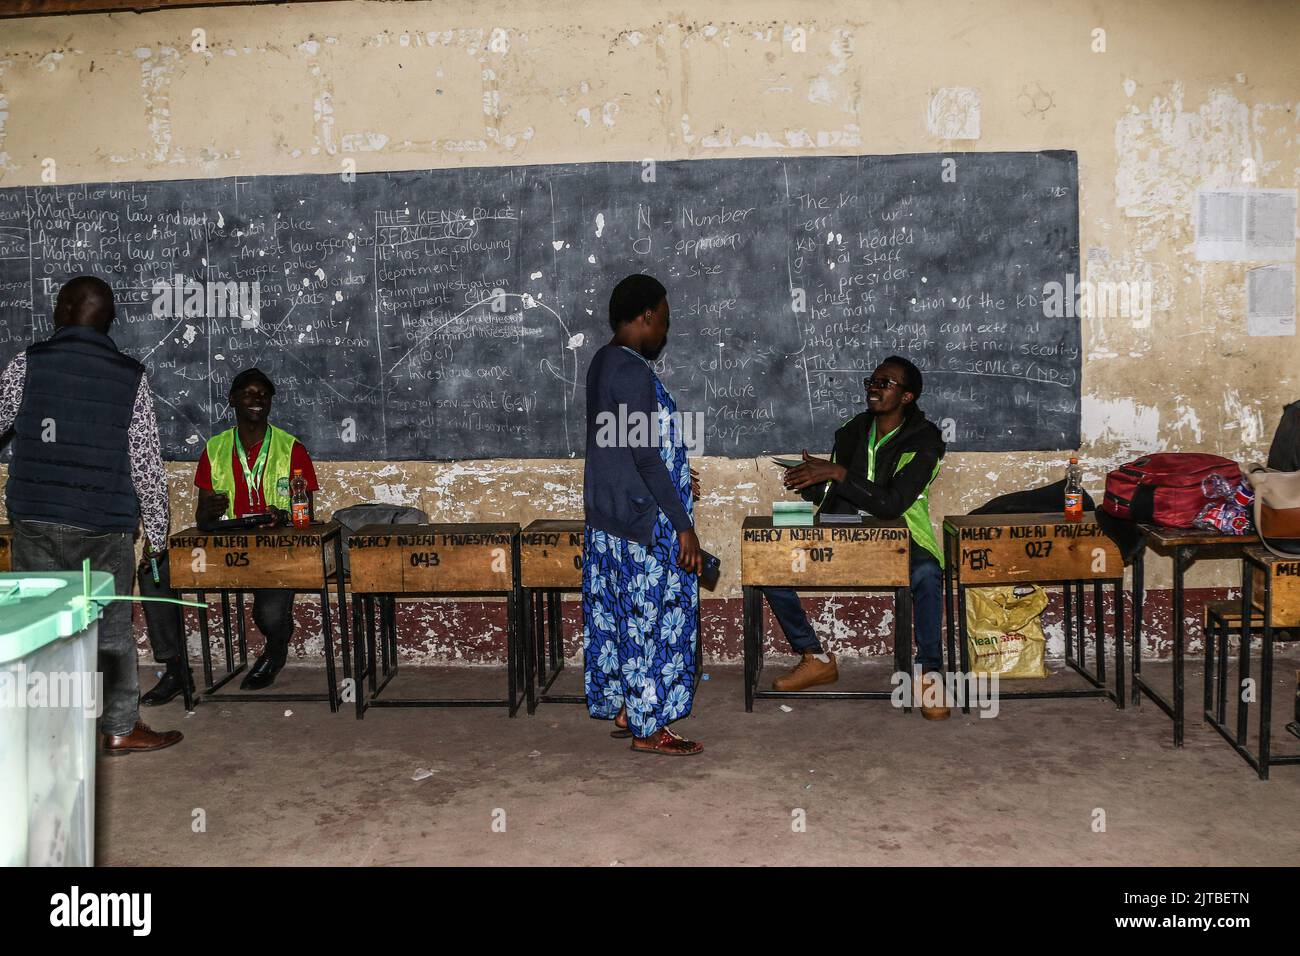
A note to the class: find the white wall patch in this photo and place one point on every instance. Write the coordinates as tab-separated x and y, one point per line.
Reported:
954	113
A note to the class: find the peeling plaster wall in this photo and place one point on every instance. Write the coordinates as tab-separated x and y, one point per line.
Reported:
1185	91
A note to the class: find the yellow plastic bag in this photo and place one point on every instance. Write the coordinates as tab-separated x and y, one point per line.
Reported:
1005	630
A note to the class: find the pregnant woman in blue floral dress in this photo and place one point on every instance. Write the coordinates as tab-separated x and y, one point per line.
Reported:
641	556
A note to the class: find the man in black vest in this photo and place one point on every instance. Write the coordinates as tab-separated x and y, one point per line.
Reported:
86	468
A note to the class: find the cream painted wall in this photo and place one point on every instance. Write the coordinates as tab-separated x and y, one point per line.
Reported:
1184	92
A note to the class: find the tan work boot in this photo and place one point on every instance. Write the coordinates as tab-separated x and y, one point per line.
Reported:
809	672
930	687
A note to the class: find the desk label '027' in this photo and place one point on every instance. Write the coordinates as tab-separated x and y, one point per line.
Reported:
1045	552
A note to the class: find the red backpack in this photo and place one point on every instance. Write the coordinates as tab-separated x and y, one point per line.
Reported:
1164	489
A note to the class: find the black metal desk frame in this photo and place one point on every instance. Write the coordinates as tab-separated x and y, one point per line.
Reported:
753	644
1072	597
1185	553
378	669
232	670
1216	704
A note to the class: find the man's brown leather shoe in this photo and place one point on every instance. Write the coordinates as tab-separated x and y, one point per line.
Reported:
930	688
140	740
809	672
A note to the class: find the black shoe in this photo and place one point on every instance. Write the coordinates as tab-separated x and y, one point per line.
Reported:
263	673
168	689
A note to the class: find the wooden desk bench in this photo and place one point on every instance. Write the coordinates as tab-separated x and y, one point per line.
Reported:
1187	545
1009	549
550	563
431	560
303	560
1270	589
872	555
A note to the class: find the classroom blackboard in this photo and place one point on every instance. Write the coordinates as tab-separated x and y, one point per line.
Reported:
452	313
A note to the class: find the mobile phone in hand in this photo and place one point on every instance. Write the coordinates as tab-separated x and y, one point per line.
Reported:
710	569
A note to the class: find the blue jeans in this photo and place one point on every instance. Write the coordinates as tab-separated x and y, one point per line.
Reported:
927	612
272	613
46	546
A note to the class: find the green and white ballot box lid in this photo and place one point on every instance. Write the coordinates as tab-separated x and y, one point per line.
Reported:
40	607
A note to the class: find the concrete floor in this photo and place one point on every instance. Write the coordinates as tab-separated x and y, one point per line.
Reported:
878	786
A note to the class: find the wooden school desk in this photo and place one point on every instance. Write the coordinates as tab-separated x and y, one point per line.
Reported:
303	560
550	564
1009	549
1270	596
1187	545
868	556
6	540
389	562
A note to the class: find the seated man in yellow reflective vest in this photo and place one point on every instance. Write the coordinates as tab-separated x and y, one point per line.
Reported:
244	470
883	464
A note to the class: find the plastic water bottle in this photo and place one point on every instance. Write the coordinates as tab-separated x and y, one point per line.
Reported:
1074	491
299	503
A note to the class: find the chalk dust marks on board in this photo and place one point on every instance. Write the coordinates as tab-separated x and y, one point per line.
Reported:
802	358
573	341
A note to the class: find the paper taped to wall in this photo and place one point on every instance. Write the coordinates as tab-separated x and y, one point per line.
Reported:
1270	300
1238	225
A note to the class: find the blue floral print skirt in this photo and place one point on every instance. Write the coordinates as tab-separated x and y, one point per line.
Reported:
639	629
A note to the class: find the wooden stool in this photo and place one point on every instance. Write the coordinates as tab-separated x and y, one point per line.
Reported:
1221	619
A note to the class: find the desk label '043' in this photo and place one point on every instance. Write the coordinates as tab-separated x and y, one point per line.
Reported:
456	561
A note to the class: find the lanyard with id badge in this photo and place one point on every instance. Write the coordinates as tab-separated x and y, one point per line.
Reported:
253	477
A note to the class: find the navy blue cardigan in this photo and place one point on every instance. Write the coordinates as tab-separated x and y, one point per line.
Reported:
624	488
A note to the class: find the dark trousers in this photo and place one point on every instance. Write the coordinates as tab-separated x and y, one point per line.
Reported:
272	613
45	546
927	612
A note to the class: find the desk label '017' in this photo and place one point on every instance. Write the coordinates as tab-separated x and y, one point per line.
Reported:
825	556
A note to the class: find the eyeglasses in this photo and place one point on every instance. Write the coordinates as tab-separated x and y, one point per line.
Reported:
880	383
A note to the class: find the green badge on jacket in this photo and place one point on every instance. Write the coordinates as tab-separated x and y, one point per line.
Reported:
282	487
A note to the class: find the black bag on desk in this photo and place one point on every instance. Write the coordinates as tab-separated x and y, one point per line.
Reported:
1284	453
1051	498
1034	501
355	517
